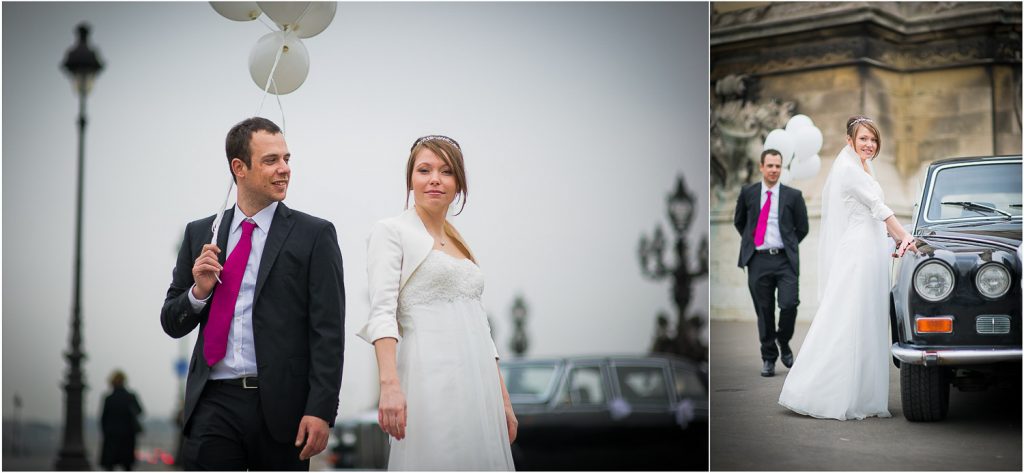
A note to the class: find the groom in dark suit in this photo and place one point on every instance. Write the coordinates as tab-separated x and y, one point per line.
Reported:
265	373
772	220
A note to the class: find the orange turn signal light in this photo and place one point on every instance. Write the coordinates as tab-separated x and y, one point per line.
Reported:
935	325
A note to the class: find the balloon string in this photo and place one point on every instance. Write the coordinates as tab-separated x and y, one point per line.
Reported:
220	213
284	125
270	78
269	26
303	15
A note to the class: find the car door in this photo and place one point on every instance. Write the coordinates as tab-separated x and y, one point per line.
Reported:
643	414
691	415
578	429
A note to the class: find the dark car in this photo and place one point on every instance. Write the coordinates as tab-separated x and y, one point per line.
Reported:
358	443
609	413
956	306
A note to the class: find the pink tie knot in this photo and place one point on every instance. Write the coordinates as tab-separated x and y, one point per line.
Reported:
247	227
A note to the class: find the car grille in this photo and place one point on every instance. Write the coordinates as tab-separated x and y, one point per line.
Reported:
992	324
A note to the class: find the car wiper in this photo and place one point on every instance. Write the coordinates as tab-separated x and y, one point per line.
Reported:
976	206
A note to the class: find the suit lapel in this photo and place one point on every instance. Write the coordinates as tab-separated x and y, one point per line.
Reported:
755	205
279	230
224	233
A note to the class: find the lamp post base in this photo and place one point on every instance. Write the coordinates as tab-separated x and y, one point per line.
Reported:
71	460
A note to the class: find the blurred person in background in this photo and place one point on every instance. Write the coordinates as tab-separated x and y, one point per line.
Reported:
119	424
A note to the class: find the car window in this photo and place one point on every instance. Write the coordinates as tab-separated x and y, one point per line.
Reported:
529	380
687	384
990	185
583	387
642	384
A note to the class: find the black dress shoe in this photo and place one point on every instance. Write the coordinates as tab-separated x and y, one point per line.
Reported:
768	370
786	355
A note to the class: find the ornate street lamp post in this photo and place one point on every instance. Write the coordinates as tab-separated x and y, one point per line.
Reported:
519	342
82	66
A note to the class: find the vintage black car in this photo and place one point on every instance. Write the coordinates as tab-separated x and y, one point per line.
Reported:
609	413
956	306
358	443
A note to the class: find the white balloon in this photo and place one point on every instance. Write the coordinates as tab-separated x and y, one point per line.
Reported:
285	14
814	165
315	20
808	141
781	141
805	167
785	176
798	121
237	11
292	68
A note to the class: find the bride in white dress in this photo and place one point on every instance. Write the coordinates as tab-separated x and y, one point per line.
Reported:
442	398
842	368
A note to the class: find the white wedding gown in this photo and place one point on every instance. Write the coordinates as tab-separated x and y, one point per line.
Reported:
447	370
842	369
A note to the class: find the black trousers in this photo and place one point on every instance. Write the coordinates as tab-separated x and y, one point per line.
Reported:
766	274
228	434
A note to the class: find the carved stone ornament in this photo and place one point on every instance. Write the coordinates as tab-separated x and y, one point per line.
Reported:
784	37
739	127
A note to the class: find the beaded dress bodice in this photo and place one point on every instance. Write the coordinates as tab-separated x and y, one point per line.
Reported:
442	278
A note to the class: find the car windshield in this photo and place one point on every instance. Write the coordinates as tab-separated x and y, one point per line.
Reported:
974	191
529	383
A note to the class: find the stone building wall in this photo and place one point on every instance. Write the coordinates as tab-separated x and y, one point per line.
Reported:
941	79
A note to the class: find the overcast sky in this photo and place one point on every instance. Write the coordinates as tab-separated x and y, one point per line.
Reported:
575	120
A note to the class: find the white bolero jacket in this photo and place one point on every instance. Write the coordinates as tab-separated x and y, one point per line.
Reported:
396	248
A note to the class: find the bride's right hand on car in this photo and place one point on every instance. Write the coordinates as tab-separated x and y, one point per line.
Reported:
908	243
391	410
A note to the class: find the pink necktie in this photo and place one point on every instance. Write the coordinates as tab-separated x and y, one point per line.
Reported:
215	335
762	221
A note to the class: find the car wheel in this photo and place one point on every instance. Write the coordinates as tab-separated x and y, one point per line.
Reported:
925	392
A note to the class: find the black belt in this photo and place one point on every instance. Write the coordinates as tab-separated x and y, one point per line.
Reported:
771	251
248	382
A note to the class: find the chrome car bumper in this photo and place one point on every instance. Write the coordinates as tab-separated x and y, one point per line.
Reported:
955	356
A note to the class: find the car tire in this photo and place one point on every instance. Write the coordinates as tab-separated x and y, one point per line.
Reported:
924	391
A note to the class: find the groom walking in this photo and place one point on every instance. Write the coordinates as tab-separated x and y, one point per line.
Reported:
772	220
269	302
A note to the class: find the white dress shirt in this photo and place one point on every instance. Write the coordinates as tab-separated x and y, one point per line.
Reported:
240	355
772	235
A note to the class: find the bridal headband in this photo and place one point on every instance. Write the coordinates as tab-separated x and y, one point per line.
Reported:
861	120
436	138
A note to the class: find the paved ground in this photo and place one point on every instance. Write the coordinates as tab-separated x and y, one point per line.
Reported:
751	431
46	463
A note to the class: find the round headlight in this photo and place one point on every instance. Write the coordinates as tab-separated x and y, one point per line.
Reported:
933	281
993	280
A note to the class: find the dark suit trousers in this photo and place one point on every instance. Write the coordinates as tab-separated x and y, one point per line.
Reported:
228	433
766	274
